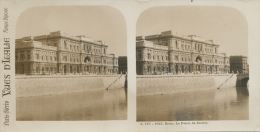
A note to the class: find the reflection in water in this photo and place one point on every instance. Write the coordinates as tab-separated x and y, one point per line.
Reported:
222	104
97	105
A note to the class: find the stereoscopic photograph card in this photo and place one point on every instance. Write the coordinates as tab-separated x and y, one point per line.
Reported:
139	65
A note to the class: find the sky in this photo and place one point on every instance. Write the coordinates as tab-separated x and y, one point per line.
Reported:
225	25
97	22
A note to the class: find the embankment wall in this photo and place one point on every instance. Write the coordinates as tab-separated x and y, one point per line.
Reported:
59	84
165	84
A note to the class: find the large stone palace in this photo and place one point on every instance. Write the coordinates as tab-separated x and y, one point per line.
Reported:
62	53
175	54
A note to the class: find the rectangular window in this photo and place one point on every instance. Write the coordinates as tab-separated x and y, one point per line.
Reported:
65	45
176	58
149	56
139	55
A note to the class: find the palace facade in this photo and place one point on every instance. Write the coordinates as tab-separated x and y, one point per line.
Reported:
62	53
175	54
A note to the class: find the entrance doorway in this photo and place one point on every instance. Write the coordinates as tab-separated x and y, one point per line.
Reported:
71	69
65	69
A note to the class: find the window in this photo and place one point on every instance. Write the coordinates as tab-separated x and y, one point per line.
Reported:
64	58
139	55
149	55
51	58
162	57
29	56
158	57
22	56
176	58
154	57
65	45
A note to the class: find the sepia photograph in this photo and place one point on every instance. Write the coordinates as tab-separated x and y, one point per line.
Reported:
129	65
191	64
68	66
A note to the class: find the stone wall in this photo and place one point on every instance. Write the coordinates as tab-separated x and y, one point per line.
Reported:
58	84
164	84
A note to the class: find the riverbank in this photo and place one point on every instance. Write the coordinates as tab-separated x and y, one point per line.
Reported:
166	84
60	84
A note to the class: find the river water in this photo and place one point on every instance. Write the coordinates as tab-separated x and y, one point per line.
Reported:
223	104
96	105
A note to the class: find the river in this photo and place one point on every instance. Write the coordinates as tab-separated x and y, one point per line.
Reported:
217	104
95	105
